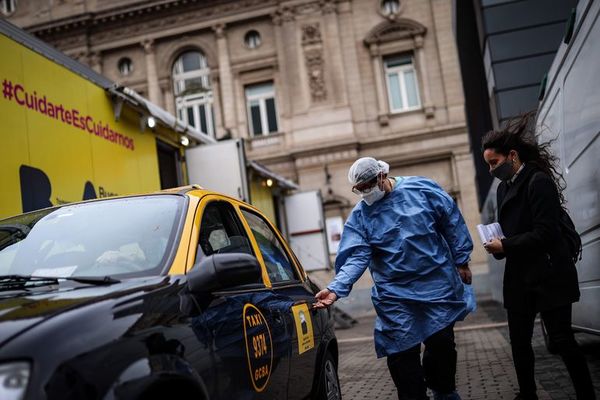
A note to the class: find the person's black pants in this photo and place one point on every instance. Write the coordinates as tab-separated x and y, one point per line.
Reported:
558	325
438	370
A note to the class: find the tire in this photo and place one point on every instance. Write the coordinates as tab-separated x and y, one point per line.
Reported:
329	383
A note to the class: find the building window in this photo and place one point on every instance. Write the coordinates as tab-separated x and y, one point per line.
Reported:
390	7
193	91
125	66
8	6
262	113
401	78
252	39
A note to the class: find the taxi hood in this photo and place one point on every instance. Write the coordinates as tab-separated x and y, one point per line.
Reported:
23	310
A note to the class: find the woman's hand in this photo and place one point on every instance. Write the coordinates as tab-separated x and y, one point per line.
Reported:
494	246
325	298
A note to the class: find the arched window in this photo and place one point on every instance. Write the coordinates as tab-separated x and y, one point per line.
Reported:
193	91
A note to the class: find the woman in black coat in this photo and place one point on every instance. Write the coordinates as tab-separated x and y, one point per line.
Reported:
540	274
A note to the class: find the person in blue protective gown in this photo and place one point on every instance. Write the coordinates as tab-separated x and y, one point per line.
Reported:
412	237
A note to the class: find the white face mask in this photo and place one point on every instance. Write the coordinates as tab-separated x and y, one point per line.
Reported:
373	196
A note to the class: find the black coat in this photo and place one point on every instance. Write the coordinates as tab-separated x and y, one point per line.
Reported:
539	273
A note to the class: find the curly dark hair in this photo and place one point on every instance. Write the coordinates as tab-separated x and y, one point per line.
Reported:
519	135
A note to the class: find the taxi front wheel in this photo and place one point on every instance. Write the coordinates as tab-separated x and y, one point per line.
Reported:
329	383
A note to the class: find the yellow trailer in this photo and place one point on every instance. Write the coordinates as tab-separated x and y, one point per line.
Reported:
69	134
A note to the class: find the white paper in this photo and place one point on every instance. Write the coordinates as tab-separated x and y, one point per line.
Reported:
61	272
489	232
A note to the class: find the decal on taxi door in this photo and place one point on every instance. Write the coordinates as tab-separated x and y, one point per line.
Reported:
259	347
304	328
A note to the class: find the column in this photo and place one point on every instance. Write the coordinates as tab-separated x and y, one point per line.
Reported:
168	99
450	68
296	85
380	85
422	68
332	37
282	89
225	79
353	77
217	106
95	61
284	100
151	74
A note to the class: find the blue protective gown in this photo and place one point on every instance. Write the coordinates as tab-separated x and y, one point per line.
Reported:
412	240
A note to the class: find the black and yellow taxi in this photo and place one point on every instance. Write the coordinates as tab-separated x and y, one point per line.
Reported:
180	294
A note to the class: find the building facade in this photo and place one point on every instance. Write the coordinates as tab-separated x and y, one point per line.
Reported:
310	85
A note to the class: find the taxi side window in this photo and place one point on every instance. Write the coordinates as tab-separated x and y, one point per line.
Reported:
279	266
221	231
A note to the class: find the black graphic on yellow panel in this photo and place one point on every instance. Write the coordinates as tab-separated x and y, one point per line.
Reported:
304	327
259	347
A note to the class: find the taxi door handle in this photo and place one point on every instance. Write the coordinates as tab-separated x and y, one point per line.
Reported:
311	305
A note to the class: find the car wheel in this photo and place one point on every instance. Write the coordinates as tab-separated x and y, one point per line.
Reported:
329	383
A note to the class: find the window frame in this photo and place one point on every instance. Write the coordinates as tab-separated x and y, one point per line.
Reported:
392	10
125	66
239	225
298	276
194	99
252	39
400	71
262	104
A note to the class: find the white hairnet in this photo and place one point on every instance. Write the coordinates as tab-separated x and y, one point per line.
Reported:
366	168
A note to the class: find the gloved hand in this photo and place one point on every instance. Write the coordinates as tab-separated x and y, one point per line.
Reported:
325	298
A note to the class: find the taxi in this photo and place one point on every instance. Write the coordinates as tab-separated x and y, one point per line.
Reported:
181	294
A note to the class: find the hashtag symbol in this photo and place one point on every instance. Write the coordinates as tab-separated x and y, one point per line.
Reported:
7	89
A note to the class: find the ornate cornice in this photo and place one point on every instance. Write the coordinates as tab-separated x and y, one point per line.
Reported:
311	33
290	13
328	6
283	14
145	16
148	45
387	31
219	30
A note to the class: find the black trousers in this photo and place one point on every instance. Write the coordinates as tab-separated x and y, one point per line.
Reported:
558	325
437	372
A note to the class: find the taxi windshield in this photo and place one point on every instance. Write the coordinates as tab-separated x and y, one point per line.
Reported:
131	236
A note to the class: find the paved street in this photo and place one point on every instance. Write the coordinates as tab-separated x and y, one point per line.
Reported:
484	361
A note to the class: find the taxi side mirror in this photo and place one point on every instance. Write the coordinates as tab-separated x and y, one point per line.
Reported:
223	271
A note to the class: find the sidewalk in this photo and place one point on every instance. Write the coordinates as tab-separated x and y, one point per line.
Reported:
484	369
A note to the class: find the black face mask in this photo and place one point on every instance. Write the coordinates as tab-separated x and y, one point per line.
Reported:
504	171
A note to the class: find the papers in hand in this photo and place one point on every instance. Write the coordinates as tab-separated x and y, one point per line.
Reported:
489	232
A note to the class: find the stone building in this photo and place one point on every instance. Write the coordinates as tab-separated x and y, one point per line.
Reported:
310	84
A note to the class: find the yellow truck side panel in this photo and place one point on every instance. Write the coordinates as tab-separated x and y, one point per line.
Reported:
13	144
59	141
